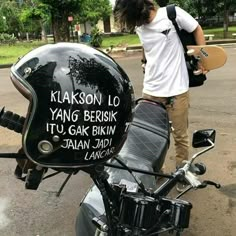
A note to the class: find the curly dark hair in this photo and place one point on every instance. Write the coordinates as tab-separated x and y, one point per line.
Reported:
131	13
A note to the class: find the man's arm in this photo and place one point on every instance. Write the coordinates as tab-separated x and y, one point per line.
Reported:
199	36
200	40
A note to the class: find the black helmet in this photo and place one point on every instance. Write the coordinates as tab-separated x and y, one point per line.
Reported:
80	106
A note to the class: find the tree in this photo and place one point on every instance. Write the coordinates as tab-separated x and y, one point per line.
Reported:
84	10
60	10
162	3
36	12
94	10
203	9
188	5
9	17
221	8
228	5
3	23
31	15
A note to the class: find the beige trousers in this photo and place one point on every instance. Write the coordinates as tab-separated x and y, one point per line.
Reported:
177	108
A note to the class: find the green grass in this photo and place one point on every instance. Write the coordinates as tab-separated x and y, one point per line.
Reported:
219	33
120	41
10	54
126	40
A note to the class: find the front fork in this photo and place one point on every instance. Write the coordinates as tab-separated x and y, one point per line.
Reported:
100	233
106	227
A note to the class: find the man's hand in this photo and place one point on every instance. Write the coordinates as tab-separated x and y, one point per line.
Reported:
143	64
201	70
143	67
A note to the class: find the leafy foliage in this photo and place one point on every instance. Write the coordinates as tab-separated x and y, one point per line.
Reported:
7	39
82	10
9	17
94	10
17	16
204	9
96	40
3	23
34	11
57	6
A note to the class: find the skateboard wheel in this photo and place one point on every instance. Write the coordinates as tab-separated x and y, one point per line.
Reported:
190	52
197	72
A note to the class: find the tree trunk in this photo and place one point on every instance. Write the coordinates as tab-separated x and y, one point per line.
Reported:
226	19
60	27
43	31
199	8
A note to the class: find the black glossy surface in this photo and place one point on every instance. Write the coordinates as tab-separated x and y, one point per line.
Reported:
78	94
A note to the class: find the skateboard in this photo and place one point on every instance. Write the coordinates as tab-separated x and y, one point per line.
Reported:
209	57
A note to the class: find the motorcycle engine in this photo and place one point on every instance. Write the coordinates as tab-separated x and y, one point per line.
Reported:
138	211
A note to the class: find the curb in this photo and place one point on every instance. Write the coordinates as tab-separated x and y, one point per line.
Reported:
3	66
226	42
138	48
130	50
221	42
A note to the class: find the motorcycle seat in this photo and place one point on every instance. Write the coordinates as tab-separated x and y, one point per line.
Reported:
147	142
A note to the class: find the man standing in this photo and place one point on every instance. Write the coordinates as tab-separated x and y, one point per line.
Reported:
166	77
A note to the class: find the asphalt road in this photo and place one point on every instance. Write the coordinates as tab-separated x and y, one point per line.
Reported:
41	213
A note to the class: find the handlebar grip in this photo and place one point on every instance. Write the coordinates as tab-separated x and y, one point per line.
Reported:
192	179
12	121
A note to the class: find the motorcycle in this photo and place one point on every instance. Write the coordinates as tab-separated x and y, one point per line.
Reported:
126	198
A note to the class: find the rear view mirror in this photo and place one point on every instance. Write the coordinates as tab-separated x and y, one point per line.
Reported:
201	138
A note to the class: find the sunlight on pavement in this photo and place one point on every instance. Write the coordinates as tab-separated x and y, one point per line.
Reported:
4	221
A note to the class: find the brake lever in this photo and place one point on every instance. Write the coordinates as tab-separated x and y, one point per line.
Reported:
208	182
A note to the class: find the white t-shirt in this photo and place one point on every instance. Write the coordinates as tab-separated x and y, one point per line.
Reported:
165	73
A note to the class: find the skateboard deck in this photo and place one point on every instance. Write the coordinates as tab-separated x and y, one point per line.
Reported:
209	56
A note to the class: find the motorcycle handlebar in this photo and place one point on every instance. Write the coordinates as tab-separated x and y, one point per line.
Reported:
188	173
192	179
12	121
179	175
